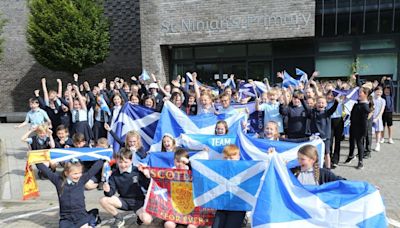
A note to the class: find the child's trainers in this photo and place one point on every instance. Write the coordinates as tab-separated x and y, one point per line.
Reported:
383	140
118	223
360	165
390	141
378	147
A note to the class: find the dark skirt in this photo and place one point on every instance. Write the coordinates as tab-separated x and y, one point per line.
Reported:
84	128
98	130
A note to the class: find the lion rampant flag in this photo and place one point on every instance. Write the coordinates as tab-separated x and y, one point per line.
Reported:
170	198
30	189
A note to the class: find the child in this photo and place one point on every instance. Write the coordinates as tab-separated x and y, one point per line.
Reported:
379	108
35	116
128	181
62	140
296	115
337	125
78	140
79	115
70	192
309	173
95	180
229	219
271	109
203	99
133	143
42	140
320	122
168	143
271	131
221	128
387	117
358	126
181	161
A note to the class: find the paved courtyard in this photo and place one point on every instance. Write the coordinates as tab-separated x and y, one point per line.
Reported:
381	170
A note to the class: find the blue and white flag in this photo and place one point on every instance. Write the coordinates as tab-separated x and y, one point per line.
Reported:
256	149
144	76
289	80
210	145
303	75
230	82
163	159
83	154
284	202
225	184
104	106
175	122
136	117
189	78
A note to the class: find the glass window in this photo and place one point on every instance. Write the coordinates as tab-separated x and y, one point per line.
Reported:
377	44
206	72
260	49
335	46
334	66
183	53
378	64
182	68
220	51
238	69
260	70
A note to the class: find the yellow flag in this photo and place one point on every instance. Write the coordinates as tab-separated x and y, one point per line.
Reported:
30	189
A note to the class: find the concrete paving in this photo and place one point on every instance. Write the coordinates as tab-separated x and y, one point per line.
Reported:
382	170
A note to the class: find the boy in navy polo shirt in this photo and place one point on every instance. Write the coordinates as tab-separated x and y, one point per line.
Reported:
130	183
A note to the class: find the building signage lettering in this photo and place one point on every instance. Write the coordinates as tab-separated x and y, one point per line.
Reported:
296	20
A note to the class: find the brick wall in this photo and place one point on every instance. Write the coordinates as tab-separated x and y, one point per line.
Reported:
20	74
177	22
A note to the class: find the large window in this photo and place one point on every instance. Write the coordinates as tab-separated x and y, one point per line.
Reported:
355	17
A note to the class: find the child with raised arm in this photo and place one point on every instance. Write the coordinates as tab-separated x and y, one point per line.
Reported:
129	182
271	109
70	191
36	116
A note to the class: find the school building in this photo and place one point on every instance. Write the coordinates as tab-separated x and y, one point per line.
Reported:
255	39
251	39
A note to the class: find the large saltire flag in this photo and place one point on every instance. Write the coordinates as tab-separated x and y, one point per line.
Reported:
170	198
257	149
175	122
30	188
284	202
136	117
225	184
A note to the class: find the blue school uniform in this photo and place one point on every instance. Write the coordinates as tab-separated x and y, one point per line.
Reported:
71	196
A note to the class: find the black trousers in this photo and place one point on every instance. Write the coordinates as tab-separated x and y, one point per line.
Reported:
368	138
228	219
336	138
358	138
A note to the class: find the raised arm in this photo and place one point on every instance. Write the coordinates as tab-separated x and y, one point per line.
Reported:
45	92
196	87
59	86
80	97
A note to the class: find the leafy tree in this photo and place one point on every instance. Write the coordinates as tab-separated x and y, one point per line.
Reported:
68	35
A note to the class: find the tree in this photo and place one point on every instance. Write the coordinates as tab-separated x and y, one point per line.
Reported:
2	23
68	35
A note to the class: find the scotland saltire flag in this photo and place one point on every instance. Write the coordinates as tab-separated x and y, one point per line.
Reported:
304	76
257	149
289	80
83	154
104	106
284	202
144	76
136	117
226	185
230	82
252	90
175	122
189	78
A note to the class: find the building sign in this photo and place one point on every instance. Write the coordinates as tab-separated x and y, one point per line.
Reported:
221	24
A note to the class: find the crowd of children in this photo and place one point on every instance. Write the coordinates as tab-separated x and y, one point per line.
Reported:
75	117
